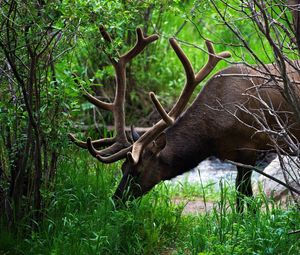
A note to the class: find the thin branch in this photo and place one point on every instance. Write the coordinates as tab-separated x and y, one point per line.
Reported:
260	171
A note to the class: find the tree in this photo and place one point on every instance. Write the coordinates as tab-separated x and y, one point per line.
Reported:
31	105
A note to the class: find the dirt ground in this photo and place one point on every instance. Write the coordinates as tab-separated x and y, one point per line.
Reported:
194	206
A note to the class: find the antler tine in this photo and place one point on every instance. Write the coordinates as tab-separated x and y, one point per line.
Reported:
108	39
90	147
189	71
190	78
141	43
188	88
212	61
164	115
106	159
95	101
103	105
104	34
97	143
115	157
110	150
192	81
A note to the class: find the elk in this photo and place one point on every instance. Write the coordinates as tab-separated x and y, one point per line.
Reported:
214	124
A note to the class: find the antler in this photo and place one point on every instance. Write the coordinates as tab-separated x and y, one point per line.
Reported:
192	80
118	145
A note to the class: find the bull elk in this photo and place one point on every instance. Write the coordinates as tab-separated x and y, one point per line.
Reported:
214	124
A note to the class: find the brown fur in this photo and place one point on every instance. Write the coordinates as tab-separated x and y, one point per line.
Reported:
206	129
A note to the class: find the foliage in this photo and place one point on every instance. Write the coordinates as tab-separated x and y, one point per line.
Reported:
81	219
32	109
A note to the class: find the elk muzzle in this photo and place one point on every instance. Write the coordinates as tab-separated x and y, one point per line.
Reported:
127	190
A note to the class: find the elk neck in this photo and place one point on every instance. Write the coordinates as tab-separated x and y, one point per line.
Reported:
186	145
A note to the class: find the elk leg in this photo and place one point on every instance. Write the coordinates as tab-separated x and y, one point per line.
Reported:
243	187
248	189
238	186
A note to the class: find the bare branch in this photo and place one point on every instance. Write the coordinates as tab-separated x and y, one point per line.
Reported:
256	169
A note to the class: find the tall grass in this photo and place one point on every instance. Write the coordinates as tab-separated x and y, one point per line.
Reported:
223	231
81	219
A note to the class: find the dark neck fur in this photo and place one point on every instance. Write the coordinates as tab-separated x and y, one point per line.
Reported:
186	147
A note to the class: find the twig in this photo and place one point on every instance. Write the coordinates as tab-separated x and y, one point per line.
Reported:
185	21
294	232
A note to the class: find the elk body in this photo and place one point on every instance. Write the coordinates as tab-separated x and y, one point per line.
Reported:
218	123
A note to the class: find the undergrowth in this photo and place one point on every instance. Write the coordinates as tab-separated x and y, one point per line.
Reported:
81	219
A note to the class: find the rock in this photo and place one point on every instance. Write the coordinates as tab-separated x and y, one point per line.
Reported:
210	171
292	178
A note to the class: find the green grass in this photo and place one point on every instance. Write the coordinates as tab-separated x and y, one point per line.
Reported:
81	219
192	191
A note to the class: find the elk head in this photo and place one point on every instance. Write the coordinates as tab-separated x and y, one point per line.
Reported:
145	163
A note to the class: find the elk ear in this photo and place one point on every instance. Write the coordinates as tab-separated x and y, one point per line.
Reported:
134	135
159	143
